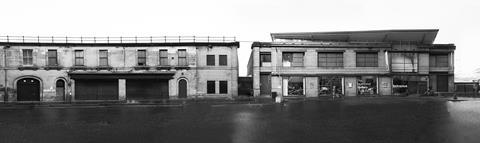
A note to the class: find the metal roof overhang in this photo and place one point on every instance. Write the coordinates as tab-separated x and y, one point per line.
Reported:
157	75
425	36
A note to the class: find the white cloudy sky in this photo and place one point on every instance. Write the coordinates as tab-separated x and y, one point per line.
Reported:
249	20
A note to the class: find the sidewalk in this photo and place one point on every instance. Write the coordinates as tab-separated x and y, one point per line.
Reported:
183	102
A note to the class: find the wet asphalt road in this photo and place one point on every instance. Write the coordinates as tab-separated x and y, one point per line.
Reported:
365	120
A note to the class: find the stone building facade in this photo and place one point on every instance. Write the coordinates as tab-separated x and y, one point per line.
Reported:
83	69
352	63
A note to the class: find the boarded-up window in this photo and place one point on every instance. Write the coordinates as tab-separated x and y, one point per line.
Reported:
27	57
367	59
211	87
438	60
142	57
330	59
52	58
222	60
292	59
210	60
163	57
223	87
103	57
182	57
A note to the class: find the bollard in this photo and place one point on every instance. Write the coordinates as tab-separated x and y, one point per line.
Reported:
276	98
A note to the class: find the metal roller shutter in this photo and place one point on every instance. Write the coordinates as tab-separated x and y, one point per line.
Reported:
147	89
96	89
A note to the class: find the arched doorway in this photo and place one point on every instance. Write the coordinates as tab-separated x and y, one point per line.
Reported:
60	89
182	88
28	89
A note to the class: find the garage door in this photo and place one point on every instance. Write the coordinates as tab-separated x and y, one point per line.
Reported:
96	89
147	89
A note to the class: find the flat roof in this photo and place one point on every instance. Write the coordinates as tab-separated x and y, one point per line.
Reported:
424	36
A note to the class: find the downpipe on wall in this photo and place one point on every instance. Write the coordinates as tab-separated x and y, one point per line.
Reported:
5	95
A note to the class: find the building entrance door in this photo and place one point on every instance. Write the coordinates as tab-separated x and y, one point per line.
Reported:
28	89
442	83
265	84
182	88
60	89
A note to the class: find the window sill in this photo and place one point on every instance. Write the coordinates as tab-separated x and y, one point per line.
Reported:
163	67
182	67
104	68
53	68
141	68
28	67
78	68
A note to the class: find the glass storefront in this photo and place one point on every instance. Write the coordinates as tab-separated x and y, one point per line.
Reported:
407	85
329	85
293	86
366	85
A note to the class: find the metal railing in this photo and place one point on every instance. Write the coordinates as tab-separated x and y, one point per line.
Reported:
135	39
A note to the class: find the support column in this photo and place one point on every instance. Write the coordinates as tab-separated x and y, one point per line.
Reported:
71	94
311	86
122	89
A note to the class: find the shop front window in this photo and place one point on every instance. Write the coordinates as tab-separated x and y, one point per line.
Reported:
294	86
400	86
407	85
367	85
329	85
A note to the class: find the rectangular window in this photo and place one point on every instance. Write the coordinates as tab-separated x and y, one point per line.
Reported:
223	87
330	59
103	57
182	57
295	86
52	58
292	59
78	57
27	56
367	59
366	85
211	87
222	60
329	85
438	60
265	59
142	57
163	57
210	60
404	62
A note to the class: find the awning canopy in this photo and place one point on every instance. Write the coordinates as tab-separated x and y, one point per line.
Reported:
424	36
96	75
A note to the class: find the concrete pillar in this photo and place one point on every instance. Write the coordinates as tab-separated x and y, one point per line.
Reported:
72	90
384	85
349	59
382	63
311	86
122	89
311	59
350	86
277	84
256	71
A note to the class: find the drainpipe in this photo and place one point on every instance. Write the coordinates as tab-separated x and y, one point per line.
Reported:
5	96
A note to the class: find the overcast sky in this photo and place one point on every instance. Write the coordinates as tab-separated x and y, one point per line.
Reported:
248	20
